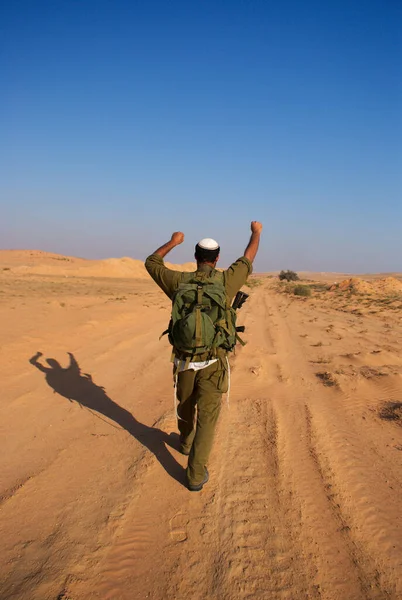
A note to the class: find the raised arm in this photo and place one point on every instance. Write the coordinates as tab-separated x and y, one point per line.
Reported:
176	239
164	277
34	361
236	275
252	248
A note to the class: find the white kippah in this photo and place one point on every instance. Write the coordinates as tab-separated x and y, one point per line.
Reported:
208	244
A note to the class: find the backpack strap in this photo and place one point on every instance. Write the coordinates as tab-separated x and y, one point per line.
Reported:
198	320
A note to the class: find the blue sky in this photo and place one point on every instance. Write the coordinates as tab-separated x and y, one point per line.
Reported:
123	121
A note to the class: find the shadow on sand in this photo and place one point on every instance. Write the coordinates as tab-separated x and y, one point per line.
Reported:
79	387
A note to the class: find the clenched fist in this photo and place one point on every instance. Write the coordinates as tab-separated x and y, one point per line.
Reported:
177	238
256	227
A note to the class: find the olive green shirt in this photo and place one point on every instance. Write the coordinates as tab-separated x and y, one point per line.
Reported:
168	280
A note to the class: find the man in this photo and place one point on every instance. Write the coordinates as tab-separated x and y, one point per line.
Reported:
202	381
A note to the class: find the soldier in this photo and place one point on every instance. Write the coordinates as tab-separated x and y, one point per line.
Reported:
202	370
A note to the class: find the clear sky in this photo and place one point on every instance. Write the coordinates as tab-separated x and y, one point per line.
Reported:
123	121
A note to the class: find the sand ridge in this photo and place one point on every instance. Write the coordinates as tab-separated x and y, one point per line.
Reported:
386	285
36	262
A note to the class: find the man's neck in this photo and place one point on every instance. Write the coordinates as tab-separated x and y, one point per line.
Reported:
208	264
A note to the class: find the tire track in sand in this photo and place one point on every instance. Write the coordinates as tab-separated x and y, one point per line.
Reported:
257	557
351	538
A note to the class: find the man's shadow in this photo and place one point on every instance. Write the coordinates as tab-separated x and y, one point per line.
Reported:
79	387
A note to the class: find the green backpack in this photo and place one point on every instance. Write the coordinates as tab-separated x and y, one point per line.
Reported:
202	318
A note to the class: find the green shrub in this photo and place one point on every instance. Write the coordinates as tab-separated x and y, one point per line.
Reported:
252	283
302	290
288	276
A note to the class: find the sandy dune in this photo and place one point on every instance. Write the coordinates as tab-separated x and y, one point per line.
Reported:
305	494
37	262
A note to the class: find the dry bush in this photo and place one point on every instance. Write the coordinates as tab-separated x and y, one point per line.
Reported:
302	290
322	360
327	378
288	276
391	411
252	283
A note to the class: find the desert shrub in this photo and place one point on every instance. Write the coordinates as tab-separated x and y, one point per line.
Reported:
302	290
288	276
319	287
391	411
327	378
252	283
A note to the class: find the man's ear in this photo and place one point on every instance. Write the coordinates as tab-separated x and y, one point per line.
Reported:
217	258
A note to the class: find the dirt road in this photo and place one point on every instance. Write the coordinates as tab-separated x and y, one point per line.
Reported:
304	498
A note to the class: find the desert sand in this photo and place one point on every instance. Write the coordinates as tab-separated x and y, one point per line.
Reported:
305	491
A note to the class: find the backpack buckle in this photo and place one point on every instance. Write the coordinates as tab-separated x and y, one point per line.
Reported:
199	295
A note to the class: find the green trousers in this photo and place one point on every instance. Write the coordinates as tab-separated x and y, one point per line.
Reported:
199	394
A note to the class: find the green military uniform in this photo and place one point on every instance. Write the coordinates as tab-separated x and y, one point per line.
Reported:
202	388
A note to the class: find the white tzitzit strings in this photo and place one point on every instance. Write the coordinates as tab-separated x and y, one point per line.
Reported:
228	392
175	401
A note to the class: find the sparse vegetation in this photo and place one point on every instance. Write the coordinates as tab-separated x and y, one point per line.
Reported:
322	360
354	296
391	411
288	276
327	378
302	290
253	282
319	287
370	372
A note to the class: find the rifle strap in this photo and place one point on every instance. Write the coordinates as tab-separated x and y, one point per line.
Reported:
238	338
